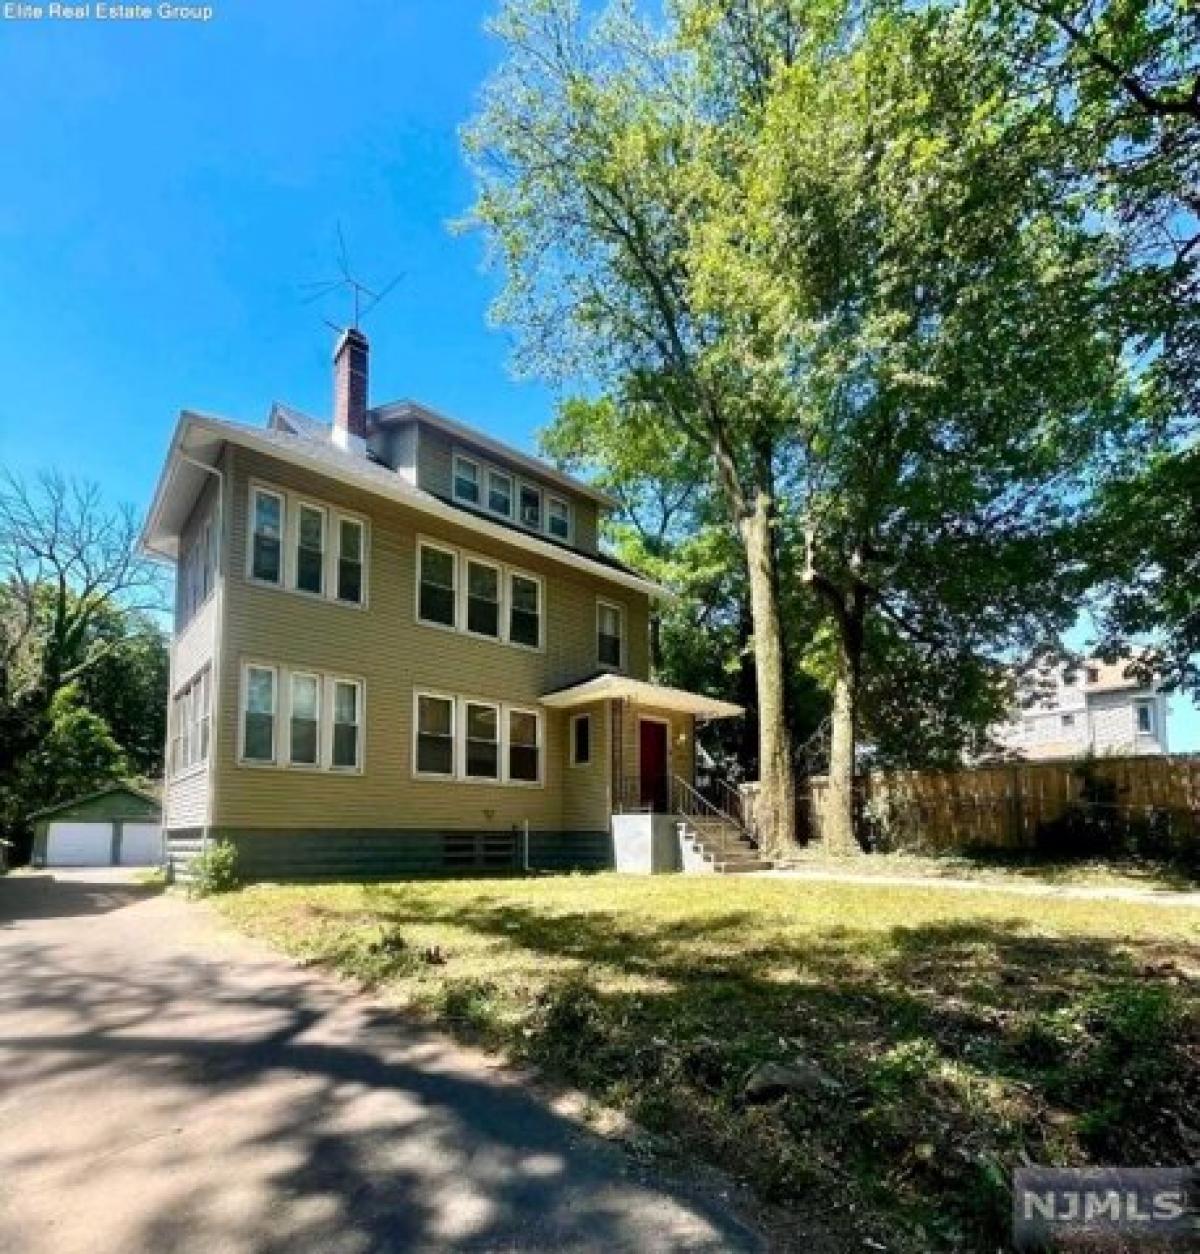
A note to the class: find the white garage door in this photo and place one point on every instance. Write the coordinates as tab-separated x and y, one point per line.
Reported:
141	844
79	844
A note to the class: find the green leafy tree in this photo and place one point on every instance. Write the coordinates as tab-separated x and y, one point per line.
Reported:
586	154
893	260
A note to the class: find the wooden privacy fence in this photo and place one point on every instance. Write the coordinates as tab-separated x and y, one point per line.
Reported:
1006	806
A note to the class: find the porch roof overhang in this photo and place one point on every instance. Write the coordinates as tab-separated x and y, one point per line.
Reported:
654	696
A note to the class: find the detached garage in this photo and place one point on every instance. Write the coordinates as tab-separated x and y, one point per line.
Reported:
118	826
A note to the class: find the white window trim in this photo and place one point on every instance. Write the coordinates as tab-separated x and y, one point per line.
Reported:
540	782
522	484
292	565
1148	704
569	538
429	695
256	490
454	555
512	492
360	708
578	718
623	650
510	574
271	763
338	517
333	515
461	742
292	675
464	595
480	479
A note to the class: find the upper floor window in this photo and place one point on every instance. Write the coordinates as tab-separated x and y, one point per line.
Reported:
558	518
525	610
266	560
531	506
326	548
475	595
350	561
500	493
1144	714
436	572
310	548
483	598
610	634
1093	674
466	480
1068	720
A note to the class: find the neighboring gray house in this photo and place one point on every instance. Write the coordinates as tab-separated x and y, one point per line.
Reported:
1093	708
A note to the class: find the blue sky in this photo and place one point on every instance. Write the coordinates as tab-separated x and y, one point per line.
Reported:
169	187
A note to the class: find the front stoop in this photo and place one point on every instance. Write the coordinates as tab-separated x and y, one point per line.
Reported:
715	847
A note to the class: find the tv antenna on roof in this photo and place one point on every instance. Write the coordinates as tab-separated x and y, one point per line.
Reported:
364	298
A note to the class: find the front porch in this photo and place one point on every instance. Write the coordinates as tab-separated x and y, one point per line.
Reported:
662	818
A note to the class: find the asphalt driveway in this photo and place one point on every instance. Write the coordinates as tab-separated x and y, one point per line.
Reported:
166	1085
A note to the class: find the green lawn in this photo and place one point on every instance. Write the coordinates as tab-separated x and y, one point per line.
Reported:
960	1034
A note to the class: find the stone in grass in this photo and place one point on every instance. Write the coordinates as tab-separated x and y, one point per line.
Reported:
770	1081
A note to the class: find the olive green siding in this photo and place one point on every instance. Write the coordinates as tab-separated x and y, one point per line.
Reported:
435	473
393	655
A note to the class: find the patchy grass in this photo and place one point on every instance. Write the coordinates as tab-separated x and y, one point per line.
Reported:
957	1035
1001	867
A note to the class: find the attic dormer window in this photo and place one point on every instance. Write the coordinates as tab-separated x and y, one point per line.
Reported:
466	480
531	506
558	518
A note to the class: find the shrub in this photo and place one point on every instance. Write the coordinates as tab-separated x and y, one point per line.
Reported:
214	870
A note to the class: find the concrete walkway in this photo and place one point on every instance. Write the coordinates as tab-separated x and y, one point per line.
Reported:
1077	892
168	1086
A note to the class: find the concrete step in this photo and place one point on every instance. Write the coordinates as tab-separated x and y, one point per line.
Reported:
741	867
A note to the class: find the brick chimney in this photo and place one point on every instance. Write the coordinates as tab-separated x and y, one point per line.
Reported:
350	390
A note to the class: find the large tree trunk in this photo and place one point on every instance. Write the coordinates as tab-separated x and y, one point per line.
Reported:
839	824
776	810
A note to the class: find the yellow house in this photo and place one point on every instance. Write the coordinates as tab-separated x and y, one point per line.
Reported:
399	648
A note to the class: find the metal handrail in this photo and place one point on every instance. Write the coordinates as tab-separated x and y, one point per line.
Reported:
690	803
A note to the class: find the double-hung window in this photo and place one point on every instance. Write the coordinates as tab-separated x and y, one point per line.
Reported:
466	480
558	518
481	737
435	735
310	548
346	741
531	506
436	572
266	550
500	493
1144	716
524	747
305	744
610	634
524	610
350	556
483	599
258	719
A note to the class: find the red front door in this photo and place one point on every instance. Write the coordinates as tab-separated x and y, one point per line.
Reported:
652	750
